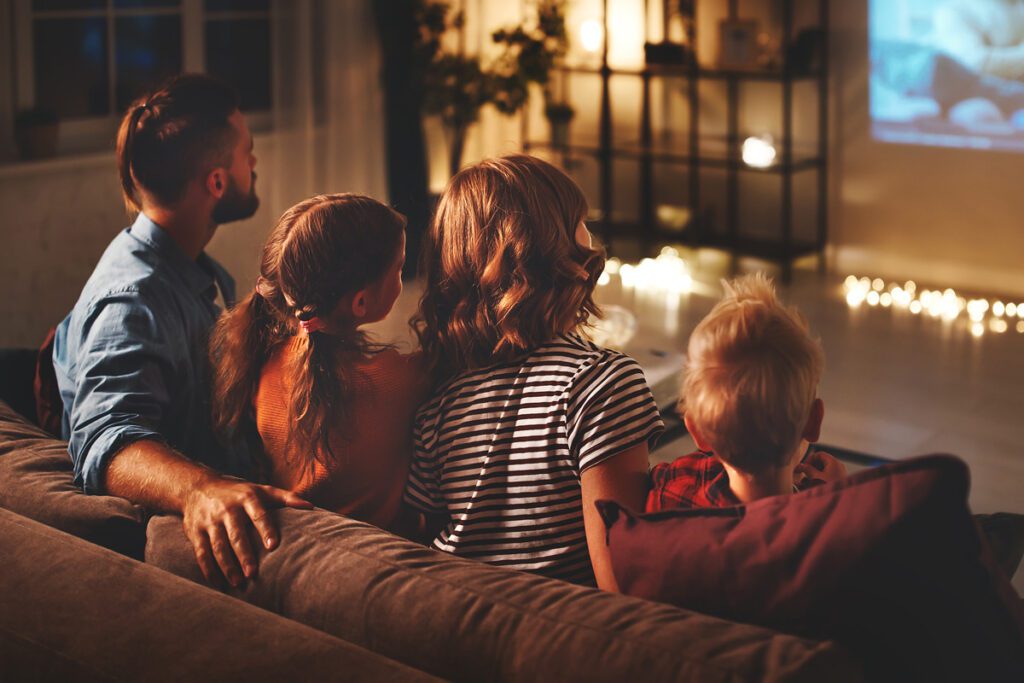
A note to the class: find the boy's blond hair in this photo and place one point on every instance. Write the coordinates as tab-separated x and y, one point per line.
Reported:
752	376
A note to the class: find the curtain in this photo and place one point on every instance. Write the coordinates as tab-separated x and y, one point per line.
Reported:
328	112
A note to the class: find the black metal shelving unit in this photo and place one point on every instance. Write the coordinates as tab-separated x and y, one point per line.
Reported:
782	248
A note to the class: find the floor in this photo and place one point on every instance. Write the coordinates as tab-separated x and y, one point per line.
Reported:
896	384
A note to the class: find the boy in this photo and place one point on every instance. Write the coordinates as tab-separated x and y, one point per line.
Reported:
749	400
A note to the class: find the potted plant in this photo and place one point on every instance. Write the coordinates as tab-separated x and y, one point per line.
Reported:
457	86
36	132
559	114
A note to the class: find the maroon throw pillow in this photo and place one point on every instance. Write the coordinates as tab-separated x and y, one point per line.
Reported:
888	562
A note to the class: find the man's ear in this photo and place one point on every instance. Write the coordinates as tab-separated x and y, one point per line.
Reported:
217	182
695	434
812	430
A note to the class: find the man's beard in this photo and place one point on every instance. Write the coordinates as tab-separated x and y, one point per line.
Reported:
234	205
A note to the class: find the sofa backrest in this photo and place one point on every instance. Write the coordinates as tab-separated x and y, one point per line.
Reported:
36	481
463	620
72	611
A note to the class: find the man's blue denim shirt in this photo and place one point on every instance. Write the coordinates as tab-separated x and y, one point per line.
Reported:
131	357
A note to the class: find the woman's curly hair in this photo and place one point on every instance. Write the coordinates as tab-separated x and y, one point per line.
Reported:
504	272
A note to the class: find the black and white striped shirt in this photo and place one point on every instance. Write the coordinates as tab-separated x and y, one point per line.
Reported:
500	450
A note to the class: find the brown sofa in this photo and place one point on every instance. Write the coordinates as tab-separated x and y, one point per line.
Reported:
380	607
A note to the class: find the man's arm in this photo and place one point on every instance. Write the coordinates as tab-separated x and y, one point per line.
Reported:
216	510
127	366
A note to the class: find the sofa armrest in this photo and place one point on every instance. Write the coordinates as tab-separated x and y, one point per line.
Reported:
75	611
36	481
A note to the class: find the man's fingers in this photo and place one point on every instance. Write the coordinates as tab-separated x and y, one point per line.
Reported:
204	556
261	520
287	498
237	527
224	555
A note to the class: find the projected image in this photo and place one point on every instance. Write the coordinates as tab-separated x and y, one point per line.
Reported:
948	72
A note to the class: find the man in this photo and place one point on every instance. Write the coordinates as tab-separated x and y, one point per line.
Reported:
131	359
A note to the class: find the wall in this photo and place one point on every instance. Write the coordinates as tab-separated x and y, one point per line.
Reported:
941	216
57	217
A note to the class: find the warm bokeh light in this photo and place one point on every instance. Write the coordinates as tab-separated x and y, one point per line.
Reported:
591	35
759	152
667	274
983	315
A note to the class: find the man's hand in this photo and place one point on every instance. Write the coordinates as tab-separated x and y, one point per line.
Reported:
820	466
217	515
217	510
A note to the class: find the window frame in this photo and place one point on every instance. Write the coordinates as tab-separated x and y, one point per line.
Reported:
88	134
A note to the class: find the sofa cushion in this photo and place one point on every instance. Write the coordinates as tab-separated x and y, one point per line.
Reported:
887	561
463	620
36	481
73	611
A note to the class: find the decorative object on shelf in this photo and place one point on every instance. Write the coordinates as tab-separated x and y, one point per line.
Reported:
559	114
673	218
36	132
759	151
666	52
457	86
769	54
806	53
738	47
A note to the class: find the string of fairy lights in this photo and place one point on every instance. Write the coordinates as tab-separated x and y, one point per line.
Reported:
982	315
668	275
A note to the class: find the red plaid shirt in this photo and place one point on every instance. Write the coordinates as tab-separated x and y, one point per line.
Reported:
697	480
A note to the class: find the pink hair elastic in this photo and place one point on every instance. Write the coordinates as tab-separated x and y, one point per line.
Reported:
312	325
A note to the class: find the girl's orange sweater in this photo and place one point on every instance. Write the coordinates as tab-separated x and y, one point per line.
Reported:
368	476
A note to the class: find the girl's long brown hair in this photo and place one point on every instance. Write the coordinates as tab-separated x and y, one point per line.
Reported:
320	250
504	272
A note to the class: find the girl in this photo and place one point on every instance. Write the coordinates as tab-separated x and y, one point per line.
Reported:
532	423
333	411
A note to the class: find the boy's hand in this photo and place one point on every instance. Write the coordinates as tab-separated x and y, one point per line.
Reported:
821	466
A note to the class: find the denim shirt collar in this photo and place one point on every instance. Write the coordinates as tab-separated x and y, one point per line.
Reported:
200	275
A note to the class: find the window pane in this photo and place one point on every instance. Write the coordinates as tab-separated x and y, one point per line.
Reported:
237	5
238	51
148	51
146	3
71	66
50	5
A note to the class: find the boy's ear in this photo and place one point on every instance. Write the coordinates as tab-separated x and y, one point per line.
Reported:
812	430
217	182
695	434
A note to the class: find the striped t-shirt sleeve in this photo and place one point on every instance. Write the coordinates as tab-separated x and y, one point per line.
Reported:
423	491
610	410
